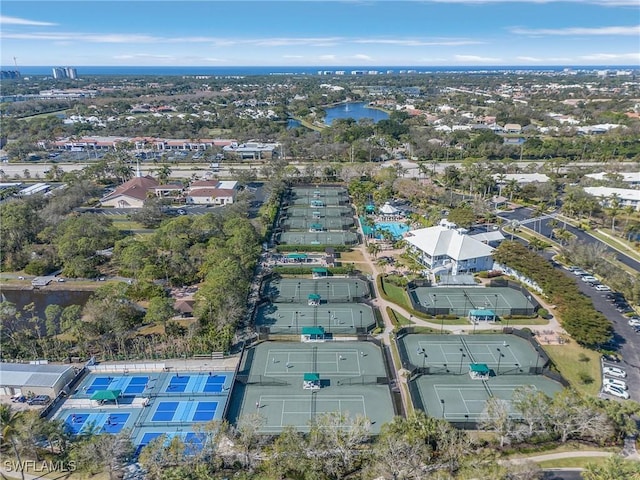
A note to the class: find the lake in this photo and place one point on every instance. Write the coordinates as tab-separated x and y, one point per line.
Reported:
44	298
355	110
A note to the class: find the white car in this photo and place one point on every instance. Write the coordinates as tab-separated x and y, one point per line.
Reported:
634	322
602	288
589	278
615	382
614	372
578	272
616	392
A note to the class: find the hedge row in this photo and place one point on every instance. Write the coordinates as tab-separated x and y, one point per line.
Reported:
577	314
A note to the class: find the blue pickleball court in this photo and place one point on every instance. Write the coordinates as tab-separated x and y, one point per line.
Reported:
210	383
185	412
128	385
96	422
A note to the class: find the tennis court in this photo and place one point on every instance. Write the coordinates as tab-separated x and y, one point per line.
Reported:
345	318
316	213
326	223
318	238
352	376
458	301
462	399
452	354
333	290
319	201
319	192
128	385
96	422
203	383
193	441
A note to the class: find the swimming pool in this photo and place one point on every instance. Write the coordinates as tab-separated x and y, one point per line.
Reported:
397	229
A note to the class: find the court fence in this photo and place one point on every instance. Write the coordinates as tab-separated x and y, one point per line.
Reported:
363	380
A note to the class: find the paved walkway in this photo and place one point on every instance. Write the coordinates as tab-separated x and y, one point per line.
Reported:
558	456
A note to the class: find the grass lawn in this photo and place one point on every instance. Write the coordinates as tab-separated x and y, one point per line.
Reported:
572	365
397	319
524	321
577	462
351	256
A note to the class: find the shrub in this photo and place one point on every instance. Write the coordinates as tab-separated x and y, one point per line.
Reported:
585	378
543	313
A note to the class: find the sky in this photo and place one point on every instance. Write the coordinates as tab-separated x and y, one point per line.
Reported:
320	33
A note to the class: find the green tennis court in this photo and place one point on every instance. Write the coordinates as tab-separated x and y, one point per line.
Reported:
316	213
462	399
318	201
451	354
318	238
345	318
326	223
458	301
352	377
319	191
333	290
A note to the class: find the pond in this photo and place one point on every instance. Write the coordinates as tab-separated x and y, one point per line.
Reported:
44	298
355	110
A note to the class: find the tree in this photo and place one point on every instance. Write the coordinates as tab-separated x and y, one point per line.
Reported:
614	468
103	452
160	310
52	318
495	418
463	216
10	421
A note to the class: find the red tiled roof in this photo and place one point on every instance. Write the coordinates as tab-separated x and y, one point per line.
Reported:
211	192
137	187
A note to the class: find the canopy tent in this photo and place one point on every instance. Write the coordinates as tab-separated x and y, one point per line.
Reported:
316	227
313	334
104	395
479	370
311	381
313	299
319	272
297	256
484	315
370	208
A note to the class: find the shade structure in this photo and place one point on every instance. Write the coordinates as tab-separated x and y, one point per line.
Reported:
312	331
102	395
297	256
311	377
479	368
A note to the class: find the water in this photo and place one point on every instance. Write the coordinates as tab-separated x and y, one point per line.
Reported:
292	123
309	70
355	110
397	229
43	298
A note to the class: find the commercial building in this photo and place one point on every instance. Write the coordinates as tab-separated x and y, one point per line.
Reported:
626	197
36	379
442	249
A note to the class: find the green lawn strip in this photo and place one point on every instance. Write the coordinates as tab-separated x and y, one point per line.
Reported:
616	243
398	364
569	362
397	319
523	321
576	462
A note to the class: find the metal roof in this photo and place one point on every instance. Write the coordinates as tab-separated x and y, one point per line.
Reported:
29	375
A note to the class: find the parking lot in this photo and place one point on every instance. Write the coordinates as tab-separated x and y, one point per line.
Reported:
626	340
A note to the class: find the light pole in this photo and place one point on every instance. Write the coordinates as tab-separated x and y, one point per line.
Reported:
360	319
298	292
442	403
500	355
495	314
424	357
297	330
537	358
462	355
466	419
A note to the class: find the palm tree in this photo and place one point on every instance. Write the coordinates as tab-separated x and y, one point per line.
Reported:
10	421
163	174
373	249
614	209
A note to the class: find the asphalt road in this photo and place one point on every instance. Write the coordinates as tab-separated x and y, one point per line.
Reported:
544	228
562	474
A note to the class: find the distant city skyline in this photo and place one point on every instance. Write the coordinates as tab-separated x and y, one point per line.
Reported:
325	33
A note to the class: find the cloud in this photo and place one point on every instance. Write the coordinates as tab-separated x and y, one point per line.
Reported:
293	56
597	31
476	59
142	56
4	20
530	59
327	57
361	56
633	57
418	43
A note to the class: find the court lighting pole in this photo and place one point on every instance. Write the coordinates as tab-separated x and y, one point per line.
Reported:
360	319
462	355
297	330
424	357
500	355
442	403
298	292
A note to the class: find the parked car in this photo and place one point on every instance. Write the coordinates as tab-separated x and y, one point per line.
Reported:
181	211
616	392
634	322
589	278
614	372
621	384
610	357
602	288
39	400
579	272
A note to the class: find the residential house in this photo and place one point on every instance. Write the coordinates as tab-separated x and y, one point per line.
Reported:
626	197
